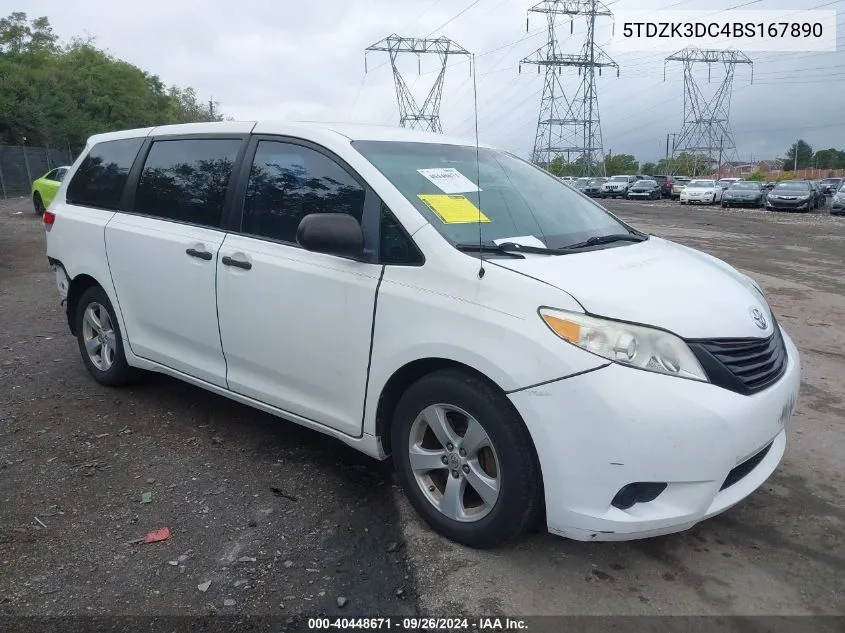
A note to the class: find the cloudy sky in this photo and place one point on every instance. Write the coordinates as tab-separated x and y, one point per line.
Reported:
286	59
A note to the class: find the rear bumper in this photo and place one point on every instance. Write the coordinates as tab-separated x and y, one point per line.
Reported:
600	431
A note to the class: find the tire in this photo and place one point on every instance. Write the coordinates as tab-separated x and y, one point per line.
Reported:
512	464
112	371
38	203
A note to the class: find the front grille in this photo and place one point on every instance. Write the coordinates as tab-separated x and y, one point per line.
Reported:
744	468
745	365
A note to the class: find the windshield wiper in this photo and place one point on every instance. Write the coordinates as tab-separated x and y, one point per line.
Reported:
607	239
509	248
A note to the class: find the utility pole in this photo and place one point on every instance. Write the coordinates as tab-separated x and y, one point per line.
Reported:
706	119
719	167
211	107
426	116
569	121
795	151
667	149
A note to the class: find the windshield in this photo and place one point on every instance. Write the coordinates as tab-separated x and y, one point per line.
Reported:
645	183
746	185
701	183
619	179
792	186
517	199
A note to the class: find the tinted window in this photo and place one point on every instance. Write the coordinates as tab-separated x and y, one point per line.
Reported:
395	246
60	174
186	180
288	182
101	177
51	175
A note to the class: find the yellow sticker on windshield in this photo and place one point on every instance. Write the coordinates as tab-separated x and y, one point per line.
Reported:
453	209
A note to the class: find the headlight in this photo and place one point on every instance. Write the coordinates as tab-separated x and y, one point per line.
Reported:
632	345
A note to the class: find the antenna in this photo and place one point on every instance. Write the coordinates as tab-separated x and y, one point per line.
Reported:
478	166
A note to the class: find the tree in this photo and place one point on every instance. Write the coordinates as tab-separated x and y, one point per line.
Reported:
829	159
559	167
621	164
649	168
59	95
804	153
757	176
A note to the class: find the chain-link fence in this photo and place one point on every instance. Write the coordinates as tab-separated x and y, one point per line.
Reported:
20	165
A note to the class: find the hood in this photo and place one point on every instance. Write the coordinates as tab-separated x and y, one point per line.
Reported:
656	283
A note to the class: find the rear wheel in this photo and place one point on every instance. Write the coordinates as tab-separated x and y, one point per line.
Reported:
99	339
38	203
465	459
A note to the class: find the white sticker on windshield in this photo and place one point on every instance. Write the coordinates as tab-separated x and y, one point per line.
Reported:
449	180
523	240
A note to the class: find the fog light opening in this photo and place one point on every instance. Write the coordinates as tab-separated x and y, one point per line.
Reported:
640	492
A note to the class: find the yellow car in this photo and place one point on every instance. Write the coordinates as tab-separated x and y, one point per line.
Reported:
44	189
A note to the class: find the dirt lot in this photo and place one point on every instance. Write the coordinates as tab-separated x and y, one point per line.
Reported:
79	457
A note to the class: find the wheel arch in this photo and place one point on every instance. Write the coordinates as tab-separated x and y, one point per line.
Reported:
77	288
407	375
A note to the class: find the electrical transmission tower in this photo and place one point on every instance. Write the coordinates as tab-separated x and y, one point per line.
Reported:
707	133
569	122
427	116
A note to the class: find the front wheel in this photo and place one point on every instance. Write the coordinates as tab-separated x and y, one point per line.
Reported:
465	459
99	339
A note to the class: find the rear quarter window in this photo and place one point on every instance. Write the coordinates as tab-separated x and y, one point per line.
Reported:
102	175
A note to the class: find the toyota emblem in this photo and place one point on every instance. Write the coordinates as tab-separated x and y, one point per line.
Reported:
759	318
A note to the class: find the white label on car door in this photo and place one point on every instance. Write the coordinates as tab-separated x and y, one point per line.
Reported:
449	180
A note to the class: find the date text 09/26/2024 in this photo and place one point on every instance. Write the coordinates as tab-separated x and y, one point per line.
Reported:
418	624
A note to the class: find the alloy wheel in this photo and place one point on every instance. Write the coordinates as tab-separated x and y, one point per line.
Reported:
454	463
99	336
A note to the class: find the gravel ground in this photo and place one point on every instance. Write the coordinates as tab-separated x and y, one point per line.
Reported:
76	458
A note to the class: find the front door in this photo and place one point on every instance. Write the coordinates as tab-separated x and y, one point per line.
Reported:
296	326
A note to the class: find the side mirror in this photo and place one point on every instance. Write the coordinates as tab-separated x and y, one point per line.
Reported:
331	233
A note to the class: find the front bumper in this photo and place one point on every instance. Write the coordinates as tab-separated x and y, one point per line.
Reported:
743	202
697	199
837	208
788	205
602	430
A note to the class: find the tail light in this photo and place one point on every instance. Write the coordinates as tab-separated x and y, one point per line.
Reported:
49	217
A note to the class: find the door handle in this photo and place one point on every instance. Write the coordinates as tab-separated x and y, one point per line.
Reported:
237	263
199	254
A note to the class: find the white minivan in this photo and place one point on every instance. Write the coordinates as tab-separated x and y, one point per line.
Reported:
519	351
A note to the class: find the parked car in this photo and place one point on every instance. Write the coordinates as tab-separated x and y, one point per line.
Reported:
567	178
725	183
644	189
580	183
44	189
701	192
837	202
819	198
333	275
746	193
830	186
665	183
678	185
791	195
617	186
593	188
